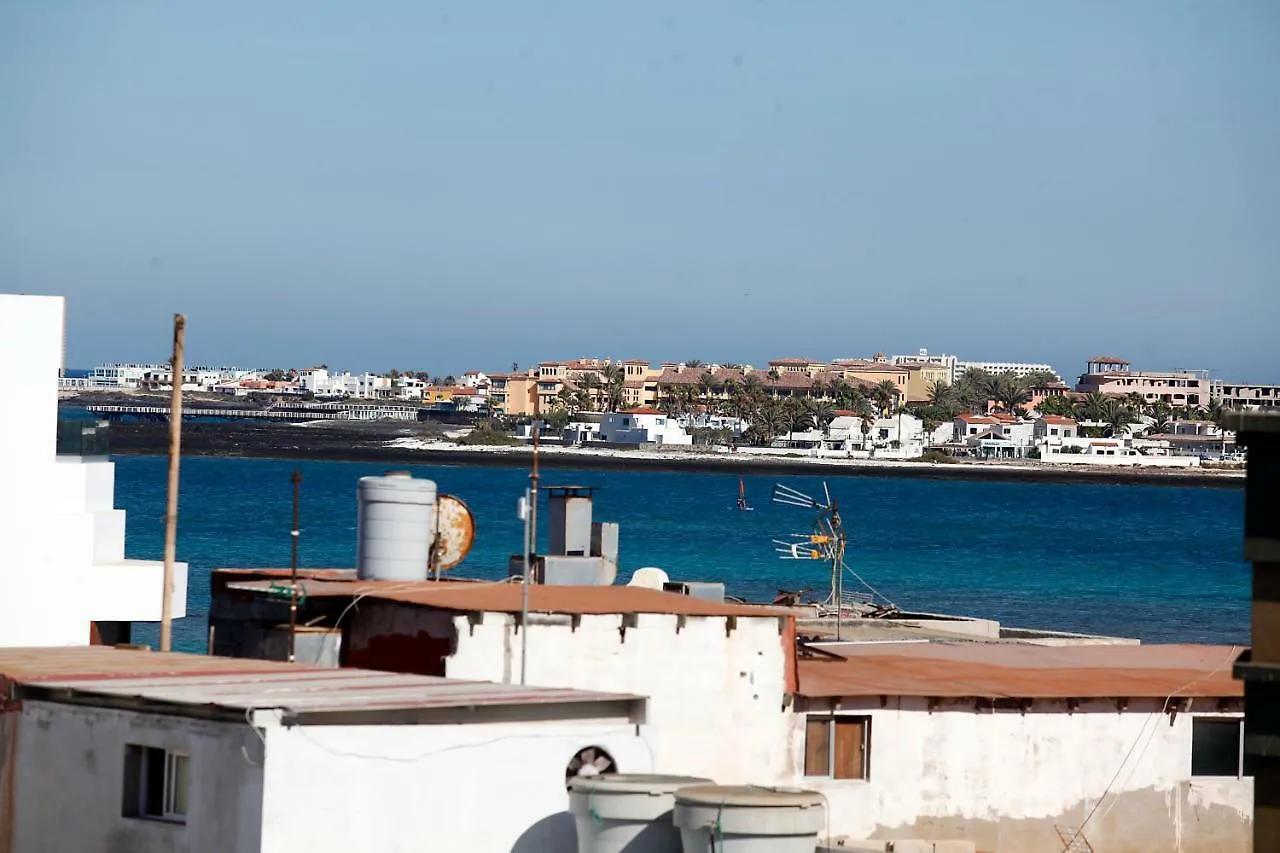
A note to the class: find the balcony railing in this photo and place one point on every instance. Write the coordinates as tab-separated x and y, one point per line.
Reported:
83	438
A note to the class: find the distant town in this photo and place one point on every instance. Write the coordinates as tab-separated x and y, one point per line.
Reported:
936	407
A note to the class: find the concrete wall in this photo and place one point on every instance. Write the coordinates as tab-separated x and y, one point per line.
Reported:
715	692
62	559
1004	779
488	788
66	782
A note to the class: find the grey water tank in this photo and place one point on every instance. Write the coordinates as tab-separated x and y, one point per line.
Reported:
748	819
396	525
627	813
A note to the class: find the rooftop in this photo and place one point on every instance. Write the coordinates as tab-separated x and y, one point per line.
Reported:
983	670
504	597
201	685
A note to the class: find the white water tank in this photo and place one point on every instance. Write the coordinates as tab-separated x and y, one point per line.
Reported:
749	819
627	813
396	518
650	577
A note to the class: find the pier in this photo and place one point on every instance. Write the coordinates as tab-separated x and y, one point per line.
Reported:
274	413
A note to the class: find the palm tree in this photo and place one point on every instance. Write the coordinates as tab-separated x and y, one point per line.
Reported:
940	393
884	394
823	414
707	384
1061	405
614	385
1116	415
693	362
1040	378
1009	392
1094	406
1137	402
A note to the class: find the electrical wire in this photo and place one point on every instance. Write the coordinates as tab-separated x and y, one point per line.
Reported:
1154	717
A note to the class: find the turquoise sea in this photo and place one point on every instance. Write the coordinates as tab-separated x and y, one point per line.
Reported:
1160	563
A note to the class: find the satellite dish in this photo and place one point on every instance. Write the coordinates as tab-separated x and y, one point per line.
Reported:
455	533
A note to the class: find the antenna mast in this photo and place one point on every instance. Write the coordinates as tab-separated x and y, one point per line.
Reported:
826	541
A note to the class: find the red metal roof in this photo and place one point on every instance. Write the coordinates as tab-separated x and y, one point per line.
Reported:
503	597
1022	671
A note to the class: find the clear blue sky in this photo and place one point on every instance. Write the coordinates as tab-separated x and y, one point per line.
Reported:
441	186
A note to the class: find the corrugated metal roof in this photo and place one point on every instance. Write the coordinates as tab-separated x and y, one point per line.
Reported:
115	675
984	670
502	597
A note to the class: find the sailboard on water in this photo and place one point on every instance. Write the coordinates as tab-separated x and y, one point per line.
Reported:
742	497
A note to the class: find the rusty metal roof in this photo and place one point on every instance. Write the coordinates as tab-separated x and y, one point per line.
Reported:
173	682
504	597
985	670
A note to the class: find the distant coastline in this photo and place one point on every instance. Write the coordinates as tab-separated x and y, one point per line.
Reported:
398	443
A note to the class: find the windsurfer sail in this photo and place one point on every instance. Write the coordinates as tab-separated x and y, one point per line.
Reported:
742	496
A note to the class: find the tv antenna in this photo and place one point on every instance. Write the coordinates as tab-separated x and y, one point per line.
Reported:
825	541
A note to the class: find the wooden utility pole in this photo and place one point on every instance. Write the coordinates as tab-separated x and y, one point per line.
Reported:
171	507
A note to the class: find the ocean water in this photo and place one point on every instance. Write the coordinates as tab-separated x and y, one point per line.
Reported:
1159	563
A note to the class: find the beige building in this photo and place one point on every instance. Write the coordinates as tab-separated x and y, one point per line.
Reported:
512	393
1109	375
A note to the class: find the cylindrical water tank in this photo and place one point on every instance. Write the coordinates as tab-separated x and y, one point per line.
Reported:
627	813
749	819
396	520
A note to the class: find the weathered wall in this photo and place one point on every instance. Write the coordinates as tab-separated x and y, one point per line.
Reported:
489	788
67	784
1004	779
716	689
715	686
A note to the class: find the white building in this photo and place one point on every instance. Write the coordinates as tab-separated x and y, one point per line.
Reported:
474	379
995	743
923	358
642	426
716	674
1134	747
321	383
113	750
62	566
1019	368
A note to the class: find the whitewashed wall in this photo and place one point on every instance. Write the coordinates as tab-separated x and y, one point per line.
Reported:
715	695
67	784
61	541
489	788
1004	779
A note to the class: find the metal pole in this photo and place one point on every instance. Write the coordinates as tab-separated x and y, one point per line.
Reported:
171	505
296	480
524	593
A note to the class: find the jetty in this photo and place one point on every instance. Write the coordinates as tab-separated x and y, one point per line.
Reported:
286	412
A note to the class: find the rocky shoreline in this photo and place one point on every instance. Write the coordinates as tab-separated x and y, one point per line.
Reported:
407	443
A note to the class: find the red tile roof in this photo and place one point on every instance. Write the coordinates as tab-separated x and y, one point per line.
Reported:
1058	420
642	411
1019	671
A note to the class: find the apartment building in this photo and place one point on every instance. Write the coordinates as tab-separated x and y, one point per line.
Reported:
1018	368
1110	375
1235	396
513	394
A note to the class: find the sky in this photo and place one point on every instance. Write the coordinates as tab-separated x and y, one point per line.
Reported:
449	186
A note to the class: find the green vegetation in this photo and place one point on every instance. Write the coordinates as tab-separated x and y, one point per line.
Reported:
485	435
939	457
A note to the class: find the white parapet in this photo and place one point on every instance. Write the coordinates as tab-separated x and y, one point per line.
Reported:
62	562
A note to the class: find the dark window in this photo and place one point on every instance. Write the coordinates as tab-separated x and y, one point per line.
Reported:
837	747
1215	746
155	784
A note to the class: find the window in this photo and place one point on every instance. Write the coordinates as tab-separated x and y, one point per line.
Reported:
1217	747
155	784
837	747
